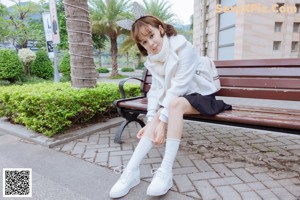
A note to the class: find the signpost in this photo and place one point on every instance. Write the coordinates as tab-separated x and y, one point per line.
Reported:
48	34
55	36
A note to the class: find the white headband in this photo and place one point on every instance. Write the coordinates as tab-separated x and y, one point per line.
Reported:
138	12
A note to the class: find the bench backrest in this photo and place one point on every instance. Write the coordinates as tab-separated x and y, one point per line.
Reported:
277	79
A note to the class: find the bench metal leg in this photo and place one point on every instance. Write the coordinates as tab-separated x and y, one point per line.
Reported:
119	132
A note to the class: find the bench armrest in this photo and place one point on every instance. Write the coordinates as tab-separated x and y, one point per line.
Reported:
123	81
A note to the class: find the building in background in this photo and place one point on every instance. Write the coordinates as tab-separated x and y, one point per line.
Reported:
247	29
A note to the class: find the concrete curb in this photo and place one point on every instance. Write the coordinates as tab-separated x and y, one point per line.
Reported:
23	132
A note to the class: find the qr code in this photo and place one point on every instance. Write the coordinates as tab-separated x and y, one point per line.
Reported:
17	182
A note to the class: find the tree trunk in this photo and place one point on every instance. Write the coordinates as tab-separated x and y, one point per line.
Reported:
83	71
100	60
127	58
114	55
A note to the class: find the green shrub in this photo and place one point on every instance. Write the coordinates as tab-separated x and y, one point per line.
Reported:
52	108
102	70
127	69
65	67
140	65
11	68
42	66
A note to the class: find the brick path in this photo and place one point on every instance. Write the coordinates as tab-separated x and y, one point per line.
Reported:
214	161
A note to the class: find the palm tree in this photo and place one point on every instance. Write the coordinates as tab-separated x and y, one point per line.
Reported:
158	8
83	72
104	15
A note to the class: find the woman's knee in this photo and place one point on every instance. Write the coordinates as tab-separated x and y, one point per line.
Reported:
177	105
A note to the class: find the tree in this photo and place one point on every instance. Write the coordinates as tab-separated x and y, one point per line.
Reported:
3	23
158	8
62	26
22	25
104	15
83	71
99	43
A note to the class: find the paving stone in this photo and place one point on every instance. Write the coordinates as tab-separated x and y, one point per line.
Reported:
283	174
241	187
183	183
206	190
244	175
225	181
101	157
202	166
184	161
203	175
263	177
282	193
222	170
267	194
228	193
272	184
250	196
256	186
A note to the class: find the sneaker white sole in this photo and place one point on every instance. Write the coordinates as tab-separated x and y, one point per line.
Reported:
162	192
124	192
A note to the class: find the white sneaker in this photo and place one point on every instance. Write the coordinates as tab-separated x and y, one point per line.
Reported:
161	183
128	180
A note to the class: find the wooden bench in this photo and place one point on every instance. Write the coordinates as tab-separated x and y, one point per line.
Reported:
275	79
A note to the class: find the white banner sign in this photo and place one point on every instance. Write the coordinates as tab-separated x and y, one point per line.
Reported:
54	22
48	34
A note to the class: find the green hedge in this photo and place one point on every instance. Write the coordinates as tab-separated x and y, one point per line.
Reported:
127	69
102	70
53	108
11	67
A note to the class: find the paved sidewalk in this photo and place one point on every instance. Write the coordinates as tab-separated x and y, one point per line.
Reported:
214	162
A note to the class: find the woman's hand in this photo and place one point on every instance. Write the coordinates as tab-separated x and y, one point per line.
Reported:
160	133
141	132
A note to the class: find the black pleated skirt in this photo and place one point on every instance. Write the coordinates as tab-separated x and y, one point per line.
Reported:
207	105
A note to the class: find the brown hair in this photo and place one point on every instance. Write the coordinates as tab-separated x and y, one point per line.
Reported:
140	27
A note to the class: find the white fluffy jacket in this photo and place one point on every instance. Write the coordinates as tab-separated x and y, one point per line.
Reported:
180	77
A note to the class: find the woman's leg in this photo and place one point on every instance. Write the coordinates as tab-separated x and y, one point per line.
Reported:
144	145
131	175
177	109
162	180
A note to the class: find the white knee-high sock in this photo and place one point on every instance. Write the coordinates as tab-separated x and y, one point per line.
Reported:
172	146
143	147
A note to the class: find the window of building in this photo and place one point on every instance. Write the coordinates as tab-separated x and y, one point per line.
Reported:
278	26
276	45
296	27
295	46
279	6
297	8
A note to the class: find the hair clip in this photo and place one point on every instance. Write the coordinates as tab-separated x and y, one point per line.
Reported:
138	12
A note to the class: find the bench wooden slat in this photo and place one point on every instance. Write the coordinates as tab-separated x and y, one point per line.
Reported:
280	83
260	72
255	118
288	62
256	93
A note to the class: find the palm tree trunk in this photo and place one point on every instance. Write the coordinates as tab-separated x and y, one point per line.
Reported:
83	71
100	59
114	55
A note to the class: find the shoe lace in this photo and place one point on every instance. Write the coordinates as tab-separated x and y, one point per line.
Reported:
157	173
119	169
